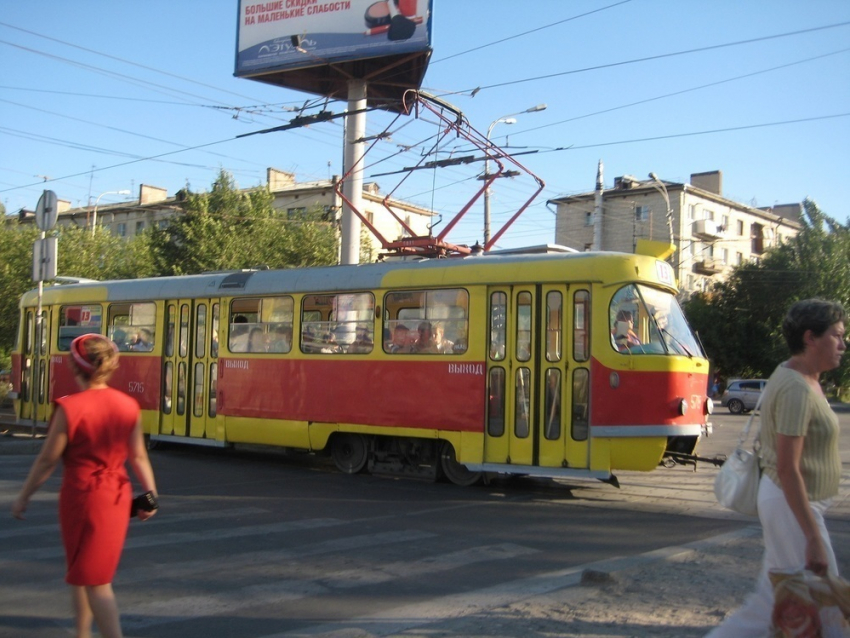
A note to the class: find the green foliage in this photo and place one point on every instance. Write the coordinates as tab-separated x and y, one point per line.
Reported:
228	229
16	246
224	229
739	320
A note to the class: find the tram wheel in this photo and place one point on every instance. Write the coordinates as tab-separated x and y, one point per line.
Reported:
454	471
350	452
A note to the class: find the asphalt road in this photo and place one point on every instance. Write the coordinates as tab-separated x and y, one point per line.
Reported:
253	544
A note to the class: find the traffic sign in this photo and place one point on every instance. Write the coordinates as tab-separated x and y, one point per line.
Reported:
46	211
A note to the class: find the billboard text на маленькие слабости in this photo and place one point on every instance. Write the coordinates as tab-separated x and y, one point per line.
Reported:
293	34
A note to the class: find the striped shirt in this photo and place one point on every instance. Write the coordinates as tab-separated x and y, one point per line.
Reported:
791	407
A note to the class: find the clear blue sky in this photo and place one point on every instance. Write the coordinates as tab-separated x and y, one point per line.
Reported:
90	89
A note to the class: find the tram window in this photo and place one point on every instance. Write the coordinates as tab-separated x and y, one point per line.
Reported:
184	330
200	330
261	325
181	388
213	389
198	382
167	383
581	392
338	324
28	334
554	302
552	416
214	333
42	380
170	326
132	326
496	405
498	325
581	325
523	326
522	407
45	331
647	320
75	321
432	321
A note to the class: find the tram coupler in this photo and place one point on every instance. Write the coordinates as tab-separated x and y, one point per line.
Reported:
672	459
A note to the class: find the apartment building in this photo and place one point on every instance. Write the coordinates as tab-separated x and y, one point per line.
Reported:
711	233
154	207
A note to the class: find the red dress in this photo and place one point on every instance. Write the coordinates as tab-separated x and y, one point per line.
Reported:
94	502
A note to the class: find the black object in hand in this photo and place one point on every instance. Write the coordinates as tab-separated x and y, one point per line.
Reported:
146	502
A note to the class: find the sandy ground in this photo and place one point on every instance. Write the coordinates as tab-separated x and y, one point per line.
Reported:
682	595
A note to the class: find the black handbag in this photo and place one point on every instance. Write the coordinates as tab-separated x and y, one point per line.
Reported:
146	502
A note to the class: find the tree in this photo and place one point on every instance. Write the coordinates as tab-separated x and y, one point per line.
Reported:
229	229
103	256
740	319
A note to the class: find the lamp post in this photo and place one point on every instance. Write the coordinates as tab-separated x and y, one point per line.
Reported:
658	185
505	119
97	201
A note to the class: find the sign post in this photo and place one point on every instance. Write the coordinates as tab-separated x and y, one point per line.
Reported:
44	266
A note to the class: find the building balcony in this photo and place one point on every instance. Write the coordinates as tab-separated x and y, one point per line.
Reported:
709	267
706	229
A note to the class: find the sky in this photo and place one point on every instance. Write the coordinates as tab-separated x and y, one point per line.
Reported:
97	97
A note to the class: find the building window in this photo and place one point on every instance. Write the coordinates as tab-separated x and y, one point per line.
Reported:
588	219
641	213
757	238
162	224
121	229
724	222
740	228
724	255
739	259
140	226
297	212
709	214
692	211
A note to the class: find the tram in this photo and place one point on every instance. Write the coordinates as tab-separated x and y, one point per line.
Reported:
560	365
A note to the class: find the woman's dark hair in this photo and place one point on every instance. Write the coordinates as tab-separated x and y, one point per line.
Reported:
816	315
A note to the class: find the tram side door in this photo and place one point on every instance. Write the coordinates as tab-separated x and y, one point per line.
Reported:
562	398
511	378
203	374
35	368
190	369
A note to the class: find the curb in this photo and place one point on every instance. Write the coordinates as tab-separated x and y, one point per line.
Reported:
18	443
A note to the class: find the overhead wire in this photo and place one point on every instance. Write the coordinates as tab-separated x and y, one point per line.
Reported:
659	56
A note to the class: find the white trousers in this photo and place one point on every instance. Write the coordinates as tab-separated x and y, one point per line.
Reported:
784	548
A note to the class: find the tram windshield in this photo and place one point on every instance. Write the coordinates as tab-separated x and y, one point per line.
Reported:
646	320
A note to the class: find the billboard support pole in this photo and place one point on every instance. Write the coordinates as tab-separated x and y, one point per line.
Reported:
355	131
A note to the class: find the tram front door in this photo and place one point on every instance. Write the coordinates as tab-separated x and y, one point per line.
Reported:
538	374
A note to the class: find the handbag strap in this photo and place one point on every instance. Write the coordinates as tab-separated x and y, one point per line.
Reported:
746	431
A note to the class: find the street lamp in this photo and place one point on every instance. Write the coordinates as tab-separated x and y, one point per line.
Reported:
97	201
663	190
505	119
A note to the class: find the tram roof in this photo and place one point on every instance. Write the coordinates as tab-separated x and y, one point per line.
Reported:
482	269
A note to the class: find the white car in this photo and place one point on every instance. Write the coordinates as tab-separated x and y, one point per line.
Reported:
742	395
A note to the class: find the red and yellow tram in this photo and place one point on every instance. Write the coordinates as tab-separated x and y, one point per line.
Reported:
565	365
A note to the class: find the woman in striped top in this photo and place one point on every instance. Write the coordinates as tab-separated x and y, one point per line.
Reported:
800	461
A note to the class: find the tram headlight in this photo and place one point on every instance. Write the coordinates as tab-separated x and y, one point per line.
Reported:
709	406
683	407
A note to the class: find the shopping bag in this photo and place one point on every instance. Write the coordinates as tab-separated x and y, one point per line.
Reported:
736	485
810	606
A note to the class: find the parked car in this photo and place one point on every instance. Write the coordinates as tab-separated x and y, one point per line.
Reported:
742	395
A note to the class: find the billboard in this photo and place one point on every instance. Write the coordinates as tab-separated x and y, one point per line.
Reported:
288	35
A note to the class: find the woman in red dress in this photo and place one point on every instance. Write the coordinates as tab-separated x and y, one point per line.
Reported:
95	433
